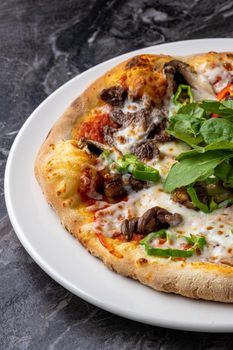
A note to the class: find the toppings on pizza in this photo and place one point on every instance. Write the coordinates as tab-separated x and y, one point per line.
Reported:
147	150
177	149
159	244
218	74
151	163
94	129
153	219
114	95
178	72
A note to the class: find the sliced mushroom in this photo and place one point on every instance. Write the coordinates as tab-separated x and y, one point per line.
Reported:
152	220
180	195
178	72
129	227
137	185
157	218
113	186
92	147
114	95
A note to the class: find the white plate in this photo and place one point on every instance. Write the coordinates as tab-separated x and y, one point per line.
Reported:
60	255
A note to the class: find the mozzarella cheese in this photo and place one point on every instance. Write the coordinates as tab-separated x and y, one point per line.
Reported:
217	75
215	227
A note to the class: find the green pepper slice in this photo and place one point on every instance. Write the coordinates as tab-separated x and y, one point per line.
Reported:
129	163
197	242
182	90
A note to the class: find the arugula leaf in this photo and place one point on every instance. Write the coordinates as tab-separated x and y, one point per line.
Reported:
216	130
195	200
185	128
185	124
224	172
223	145
198	167
223	108
192	110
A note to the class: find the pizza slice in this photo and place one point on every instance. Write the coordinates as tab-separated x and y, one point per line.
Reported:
140	170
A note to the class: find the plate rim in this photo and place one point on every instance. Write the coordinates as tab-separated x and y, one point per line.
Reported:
54	274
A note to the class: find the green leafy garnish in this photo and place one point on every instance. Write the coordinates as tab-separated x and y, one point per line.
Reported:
224	172
195	200
185	125
198	167
210	158
223	145
216	130
223	108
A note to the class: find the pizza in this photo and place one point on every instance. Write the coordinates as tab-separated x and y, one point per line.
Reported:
140	170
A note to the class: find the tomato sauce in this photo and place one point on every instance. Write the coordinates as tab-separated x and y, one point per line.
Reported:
94	129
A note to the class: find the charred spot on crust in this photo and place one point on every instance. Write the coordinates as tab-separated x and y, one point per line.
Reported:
138	61
142	261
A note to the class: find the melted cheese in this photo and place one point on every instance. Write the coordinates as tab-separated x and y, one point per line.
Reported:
217	75
125	138
216	227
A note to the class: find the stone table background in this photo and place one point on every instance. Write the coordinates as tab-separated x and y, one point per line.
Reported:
44	43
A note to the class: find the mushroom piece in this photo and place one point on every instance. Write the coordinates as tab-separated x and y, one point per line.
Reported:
153	219
113	186
92	147
180	195
129	227
157	218
178	72
146	150
114	95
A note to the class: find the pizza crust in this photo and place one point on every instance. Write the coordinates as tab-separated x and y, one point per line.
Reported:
191	279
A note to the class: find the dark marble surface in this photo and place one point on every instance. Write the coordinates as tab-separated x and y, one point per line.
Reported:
43	44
